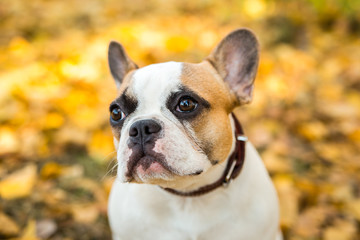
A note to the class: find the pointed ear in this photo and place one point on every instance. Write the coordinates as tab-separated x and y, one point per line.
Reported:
119	62
236	60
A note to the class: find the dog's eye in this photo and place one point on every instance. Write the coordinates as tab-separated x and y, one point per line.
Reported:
186	104
117	114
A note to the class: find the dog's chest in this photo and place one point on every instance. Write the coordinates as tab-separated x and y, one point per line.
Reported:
173	218
246	210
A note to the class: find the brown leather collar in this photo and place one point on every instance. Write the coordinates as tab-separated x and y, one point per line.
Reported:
232	169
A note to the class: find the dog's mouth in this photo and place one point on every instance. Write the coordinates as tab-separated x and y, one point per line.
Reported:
147	164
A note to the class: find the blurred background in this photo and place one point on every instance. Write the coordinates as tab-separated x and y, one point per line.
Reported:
56	151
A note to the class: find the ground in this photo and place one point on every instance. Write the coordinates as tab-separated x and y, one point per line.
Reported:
56	151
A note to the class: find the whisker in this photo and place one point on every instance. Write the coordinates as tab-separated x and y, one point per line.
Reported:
111	170
109	155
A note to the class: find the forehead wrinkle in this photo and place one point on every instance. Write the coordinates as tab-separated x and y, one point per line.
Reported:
152	84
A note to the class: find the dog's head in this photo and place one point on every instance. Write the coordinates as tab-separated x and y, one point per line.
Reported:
171	120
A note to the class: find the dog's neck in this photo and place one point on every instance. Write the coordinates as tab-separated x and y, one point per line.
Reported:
209	177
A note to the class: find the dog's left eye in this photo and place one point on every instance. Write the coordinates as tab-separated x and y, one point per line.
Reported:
117	114
186	104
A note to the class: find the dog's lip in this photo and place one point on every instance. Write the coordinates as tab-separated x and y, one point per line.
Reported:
152	167
147	160
144	160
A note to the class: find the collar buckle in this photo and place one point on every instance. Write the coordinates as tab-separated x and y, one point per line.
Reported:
241	138
228	178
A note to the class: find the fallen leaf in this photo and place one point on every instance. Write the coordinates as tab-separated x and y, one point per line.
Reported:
309	222
355	135
51	170
19	184
353	208
344	230
85	213
177	43
29	231
7	226
289	198
8	141
101	146
255	8
275	163
74	171
53	121
313	130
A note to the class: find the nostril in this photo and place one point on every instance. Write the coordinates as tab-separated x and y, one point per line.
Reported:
147	130
152	127
133	132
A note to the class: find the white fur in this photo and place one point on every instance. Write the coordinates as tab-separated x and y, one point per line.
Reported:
246	210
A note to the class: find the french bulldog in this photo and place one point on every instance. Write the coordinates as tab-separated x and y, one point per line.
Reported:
184	167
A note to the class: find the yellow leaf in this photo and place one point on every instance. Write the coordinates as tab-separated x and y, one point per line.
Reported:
18	184
84	70
344	230
289	198
8	141
53	120
355	135
329	151
310	221
87	213
30	231
275	163
20	47
81	118
328	92
51	170
208	39
313	130
277	85
151	39
73	171
342	193
7	226
177	43
254	8
353	208
101	145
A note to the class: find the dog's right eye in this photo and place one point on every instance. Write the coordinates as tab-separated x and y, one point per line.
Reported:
186	104
117	114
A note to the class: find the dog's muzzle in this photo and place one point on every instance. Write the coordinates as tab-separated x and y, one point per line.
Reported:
142	138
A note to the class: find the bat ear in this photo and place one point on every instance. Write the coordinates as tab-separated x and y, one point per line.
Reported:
119	62
236	60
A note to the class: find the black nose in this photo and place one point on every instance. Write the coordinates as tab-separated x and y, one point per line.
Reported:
144	130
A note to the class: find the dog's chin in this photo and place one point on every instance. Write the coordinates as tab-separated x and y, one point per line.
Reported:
151	170
153	174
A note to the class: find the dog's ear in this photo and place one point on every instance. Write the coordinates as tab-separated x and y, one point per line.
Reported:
236	60
119	62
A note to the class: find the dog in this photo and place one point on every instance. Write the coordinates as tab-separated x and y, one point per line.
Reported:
185	170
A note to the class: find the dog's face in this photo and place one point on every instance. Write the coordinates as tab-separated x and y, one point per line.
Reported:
171	120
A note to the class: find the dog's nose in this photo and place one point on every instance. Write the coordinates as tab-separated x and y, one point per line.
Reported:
144	130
